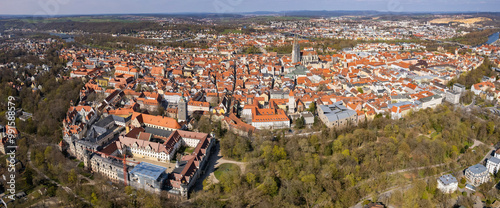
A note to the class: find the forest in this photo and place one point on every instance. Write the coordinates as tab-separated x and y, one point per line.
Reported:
91	27
131	43
475	38
337	168
474	76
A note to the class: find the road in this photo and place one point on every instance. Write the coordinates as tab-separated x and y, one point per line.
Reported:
90	181
487	156
418	168
50	202
303	134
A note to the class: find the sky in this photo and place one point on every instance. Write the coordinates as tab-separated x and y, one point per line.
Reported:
69	7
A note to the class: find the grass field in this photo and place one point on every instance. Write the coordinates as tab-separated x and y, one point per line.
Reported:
227	31
225	167
189	150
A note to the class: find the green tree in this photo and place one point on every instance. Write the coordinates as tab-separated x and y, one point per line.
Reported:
337	145
28	175
138	88
346	153
129	190
93	199
251	178
279	153
51	191
299	123
72	176
312	107
269	186
47	152
491	127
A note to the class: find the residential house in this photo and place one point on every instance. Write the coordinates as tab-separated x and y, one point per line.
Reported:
447	183
477	174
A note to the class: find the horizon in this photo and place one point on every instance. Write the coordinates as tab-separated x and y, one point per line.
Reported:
94	7
260	13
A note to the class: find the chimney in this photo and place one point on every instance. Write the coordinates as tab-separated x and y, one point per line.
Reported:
177	164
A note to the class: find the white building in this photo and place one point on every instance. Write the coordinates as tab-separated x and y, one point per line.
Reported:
477	174
269	119
452	97
493	164
271	123
458	88
431	101
447	183
497	153
172	97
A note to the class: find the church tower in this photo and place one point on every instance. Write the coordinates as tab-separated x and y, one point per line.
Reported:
295	51
291	102
182	109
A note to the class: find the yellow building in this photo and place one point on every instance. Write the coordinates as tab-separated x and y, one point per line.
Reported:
102	81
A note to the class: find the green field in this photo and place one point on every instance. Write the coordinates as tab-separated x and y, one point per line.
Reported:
225	167
227	31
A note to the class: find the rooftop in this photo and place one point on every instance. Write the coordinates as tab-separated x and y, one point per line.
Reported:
447	179
337	111
477	169
494	160
148	170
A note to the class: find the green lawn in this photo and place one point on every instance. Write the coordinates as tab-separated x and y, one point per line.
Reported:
434	134
189	150
225	167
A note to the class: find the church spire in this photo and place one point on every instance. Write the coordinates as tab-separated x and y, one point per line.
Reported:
295	50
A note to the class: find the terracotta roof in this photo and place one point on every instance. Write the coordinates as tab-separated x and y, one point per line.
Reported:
157	120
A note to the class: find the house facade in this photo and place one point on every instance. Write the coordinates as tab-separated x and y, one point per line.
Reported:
477	174
447	183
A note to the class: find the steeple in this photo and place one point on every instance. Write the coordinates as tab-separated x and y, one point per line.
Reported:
291	102
182	114
295	50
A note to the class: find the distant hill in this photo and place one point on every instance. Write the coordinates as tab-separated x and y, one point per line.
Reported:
299	13
313	13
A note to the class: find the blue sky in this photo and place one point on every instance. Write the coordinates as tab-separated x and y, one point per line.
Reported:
63	7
